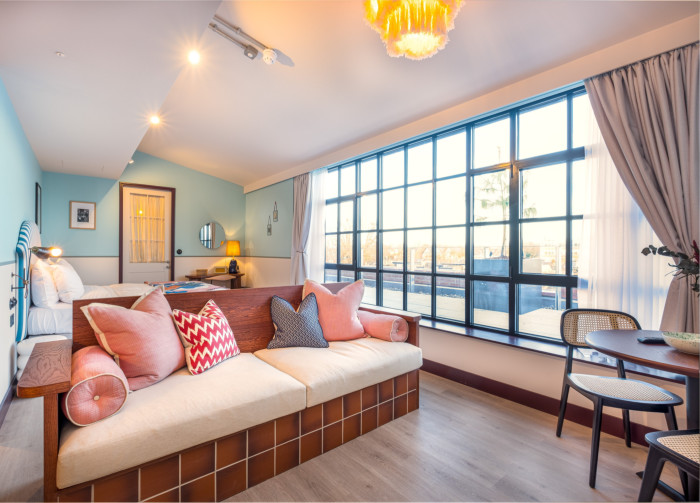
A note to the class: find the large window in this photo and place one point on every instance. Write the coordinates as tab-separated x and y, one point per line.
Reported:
477	226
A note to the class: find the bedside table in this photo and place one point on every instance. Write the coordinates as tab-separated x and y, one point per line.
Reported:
233	280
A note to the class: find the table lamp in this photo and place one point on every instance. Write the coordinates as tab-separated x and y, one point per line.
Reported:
233	248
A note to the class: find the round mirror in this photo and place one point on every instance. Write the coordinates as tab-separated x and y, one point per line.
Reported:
212	235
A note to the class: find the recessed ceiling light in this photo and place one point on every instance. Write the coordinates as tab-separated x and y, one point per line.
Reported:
155	119
60	54
131	161
193	57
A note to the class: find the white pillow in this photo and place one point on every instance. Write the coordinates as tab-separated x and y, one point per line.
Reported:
68	283
44	292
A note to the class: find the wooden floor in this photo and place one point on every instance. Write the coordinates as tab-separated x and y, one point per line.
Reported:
461	445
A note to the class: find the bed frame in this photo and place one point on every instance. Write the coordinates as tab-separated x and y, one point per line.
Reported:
218	469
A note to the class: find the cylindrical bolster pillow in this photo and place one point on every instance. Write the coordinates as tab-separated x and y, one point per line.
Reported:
384	326
98	387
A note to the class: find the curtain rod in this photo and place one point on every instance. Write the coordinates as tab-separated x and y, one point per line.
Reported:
643	60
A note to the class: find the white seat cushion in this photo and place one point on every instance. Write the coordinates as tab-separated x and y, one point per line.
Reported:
179	412
345	366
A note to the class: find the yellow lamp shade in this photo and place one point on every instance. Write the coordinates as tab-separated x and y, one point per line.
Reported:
233	248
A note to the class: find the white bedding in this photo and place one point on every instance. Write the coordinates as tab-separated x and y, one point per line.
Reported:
58	319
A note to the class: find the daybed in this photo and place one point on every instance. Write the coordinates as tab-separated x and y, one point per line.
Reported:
209	436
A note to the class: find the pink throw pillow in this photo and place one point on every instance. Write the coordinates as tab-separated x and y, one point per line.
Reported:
384	326
337	313
207	337
143	339
98	387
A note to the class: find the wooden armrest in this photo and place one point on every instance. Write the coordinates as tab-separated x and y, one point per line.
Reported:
411	318
47	371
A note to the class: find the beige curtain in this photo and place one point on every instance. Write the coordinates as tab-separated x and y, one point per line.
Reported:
147	229
648	116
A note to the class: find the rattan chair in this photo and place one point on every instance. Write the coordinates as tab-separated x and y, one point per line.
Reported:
619	392
681	448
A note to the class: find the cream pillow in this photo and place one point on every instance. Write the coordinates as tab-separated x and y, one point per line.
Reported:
68	283
44	292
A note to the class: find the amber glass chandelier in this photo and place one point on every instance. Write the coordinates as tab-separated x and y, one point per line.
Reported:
416	29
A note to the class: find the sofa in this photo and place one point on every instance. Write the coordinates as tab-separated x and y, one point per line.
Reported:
207	437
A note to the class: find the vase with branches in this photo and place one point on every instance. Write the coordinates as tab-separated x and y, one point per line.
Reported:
687	266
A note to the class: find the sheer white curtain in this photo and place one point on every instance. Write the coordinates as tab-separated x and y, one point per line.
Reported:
147	228
613	274
316	244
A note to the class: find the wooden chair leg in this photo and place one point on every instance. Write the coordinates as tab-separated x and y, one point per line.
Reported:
626	424
562	407
595	441
652	472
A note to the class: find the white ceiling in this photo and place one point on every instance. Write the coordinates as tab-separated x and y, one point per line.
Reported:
242	120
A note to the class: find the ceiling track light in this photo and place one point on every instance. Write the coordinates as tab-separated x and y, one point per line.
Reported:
222	27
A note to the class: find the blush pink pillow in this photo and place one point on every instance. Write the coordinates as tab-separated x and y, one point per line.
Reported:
143	339
98	387
384	326
337	313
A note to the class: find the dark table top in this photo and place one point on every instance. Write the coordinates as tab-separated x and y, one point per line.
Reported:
623	344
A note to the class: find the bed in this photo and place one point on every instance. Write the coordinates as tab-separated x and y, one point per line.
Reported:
55	321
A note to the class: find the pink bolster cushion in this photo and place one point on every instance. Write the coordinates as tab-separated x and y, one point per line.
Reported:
98	387
384	326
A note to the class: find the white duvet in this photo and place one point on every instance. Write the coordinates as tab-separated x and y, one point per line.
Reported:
58	319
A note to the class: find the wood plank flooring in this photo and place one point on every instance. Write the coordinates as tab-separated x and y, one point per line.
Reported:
461	445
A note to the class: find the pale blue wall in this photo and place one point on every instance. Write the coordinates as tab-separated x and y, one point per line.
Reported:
199	198
19	172
258	207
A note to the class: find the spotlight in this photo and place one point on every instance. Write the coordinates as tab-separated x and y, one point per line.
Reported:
250	51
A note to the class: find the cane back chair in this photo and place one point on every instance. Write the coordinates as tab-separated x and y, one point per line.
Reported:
618	392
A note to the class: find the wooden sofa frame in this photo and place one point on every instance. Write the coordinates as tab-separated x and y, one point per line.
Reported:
218	469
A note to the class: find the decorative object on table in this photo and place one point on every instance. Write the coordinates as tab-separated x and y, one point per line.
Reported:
82	215
37	205
687	266
269	226
233	249
220	270
685	342
201	272
274	213
415	29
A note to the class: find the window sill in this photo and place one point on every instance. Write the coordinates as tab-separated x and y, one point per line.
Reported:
550	348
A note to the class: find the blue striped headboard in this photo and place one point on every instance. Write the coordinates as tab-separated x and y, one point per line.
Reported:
28	236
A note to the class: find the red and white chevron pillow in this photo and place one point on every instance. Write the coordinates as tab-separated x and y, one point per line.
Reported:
207	337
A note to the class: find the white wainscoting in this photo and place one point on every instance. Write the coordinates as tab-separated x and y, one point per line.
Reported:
189	265
266	271
96	270
7	333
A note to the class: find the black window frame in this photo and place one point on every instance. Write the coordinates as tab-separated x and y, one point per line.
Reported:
515	277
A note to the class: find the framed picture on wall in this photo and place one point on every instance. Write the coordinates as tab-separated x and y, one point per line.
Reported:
37	205
82	215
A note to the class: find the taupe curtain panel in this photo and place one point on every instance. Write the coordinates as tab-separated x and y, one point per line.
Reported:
648	115
300	228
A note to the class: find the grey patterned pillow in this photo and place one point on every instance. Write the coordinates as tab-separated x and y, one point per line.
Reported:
299	328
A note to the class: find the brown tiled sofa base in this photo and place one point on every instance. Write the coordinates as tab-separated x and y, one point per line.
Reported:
219	469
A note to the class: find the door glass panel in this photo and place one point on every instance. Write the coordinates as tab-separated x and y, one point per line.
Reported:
347	180
346	248
392	169
418	293
370	280
543	247
491	249
368	249
420	205
490	304
347	276
450	250
330	276
346	216
452	154
543	191
392	290
392	254
451	201
420	250
542	130
492	196
368	212
492	143
332	249
420	162
392	209
539	309
449	299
